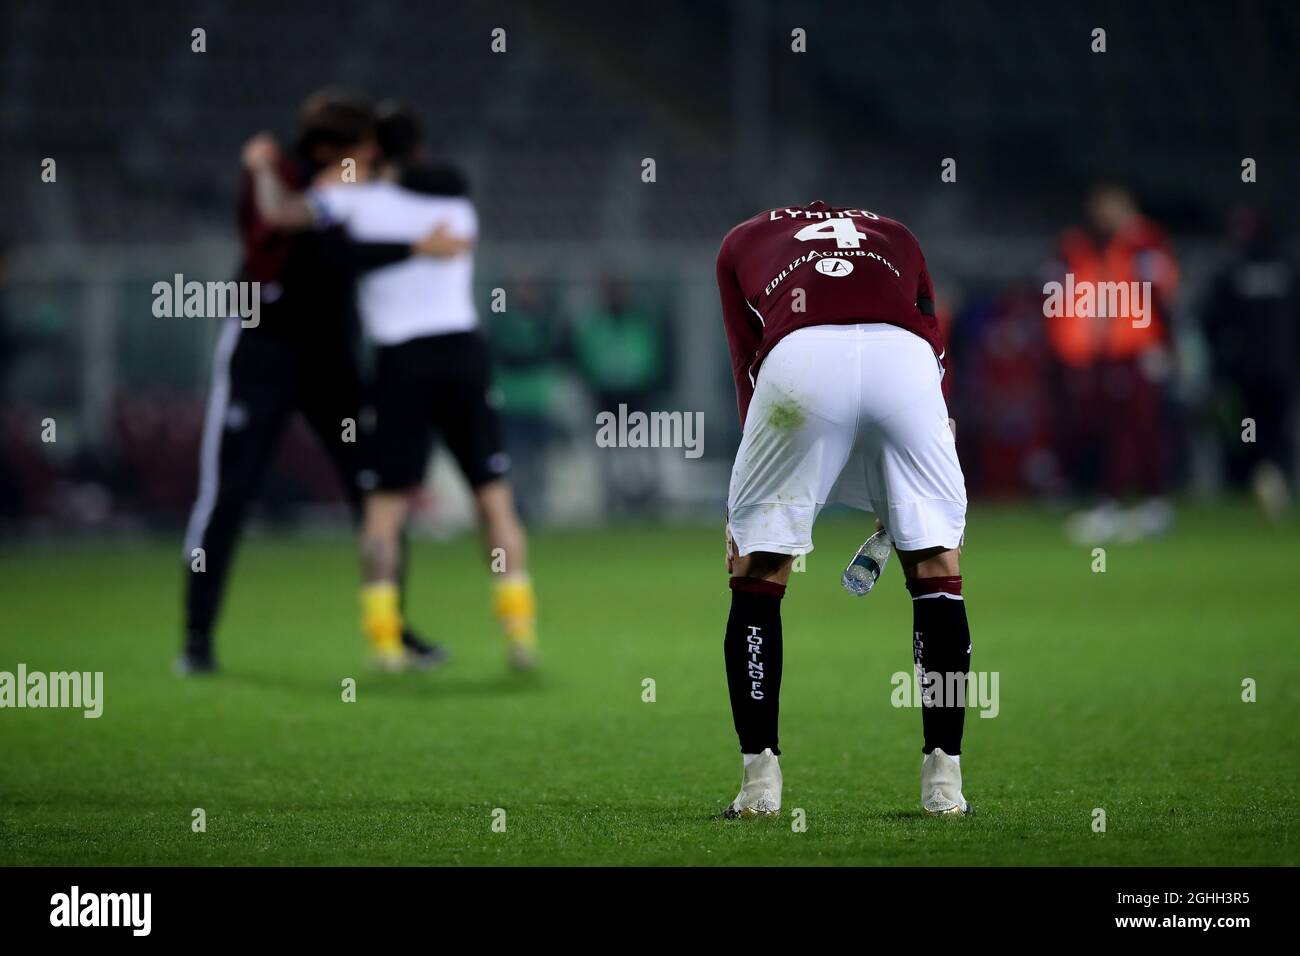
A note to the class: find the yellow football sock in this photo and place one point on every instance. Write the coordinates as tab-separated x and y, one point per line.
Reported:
516	607
381	619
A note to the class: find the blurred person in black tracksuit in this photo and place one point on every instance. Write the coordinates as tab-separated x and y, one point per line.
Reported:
1249	319
300	357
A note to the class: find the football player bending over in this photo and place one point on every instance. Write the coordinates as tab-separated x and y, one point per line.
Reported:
835	349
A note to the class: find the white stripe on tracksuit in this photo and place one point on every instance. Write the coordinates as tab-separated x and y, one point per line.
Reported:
214	423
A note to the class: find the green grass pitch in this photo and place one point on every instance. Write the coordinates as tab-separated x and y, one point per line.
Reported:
1119	690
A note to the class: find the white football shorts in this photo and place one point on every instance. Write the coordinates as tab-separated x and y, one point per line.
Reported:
851	414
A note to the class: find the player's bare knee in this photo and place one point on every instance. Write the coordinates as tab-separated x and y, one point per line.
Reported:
495	503
930	563
767	565
385	512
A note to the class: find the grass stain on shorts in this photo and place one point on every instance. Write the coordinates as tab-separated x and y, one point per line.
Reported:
786	415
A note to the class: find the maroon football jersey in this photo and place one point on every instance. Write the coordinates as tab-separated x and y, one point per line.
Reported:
817	265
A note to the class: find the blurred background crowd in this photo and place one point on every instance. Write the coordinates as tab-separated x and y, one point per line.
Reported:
1123	165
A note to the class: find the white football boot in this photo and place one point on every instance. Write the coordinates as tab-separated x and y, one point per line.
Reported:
941	786
760	789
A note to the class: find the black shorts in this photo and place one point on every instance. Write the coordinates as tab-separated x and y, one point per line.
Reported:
435	386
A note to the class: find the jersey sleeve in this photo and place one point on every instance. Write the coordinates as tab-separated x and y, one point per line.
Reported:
744	330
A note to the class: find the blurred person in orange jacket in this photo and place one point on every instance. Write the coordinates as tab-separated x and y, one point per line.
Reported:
1108	329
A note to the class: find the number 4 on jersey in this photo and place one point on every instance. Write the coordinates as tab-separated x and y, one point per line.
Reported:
843	231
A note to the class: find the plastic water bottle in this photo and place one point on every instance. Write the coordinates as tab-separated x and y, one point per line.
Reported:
865	568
